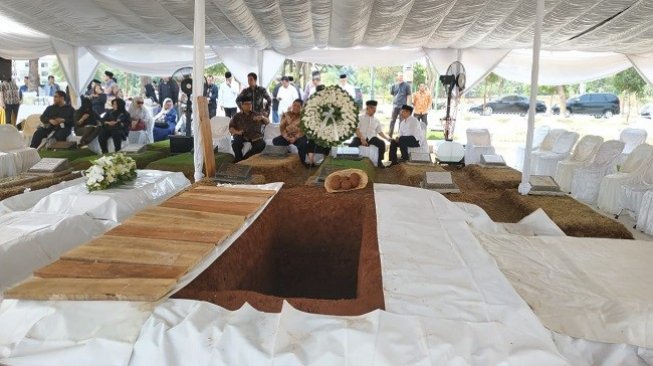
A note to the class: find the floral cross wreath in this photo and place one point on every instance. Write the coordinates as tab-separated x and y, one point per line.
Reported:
330	116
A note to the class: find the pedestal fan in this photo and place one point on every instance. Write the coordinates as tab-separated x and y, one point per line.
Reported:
454	84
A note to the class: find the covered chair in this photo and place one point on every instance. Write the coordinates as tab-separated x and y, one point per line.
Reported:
545	162
11	142
587	180
423	142
631	194
478	143
632	137
538	136
221	135
30	125
635	166
583	155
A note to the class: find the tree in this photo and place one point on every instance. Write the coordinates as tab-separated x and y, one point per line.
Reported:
217	70
34	77
419	74
629	83
491	80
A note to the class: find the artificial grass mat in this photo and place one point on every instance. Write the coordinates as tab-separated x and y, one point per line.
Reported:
142	159
184	163
71	155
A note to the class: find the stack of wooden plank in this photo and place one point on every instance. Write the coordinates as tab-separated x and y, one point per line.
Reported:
145	257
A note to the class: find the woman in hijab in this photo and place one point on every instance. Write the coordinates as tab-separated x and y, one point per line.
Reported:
141	118
87	122
115	125
165	121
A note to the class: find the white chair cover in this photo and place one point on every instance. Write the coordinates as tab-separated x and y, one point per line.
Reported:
645	217
423	143
478	143
270	132
546	145
545	162
587	180
11	142
538	136
632	194
371	152
94	146
221	135
635	166
138	137
632	137
583	154
7	165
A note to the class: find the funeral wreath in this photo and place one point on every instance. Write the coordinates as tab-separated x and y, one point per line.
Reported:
110	171
330	116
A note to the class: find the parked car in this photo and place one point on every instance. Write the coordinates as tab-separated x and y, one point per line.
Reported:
509	104
646	110
595	104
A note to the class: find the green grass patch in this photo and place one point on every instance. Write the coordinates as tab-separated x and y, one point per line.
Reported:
71	155
184	163
363	164
163	145
435	135
142	160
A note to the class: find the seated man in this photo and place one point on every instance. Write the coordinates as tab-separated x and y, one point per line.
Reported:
57	118
246	126
291	134
409	132
368	129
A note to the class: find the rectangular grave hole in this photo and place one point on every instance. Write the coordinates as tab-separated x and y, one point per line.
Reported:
301	247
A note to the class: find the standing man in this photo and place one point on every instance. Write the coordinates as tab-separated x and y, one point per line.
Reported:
286	95
368	130
57	118
51	87
259	95
108	82
168	88
422	104
12	98
400	92
245	126
310	87
24	88
409	132
346	86
212	94
275	101
291	79
227	95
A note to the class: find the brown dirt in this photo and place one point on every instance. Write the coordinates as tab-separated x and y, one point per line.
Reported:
413	174
275	169
319	251
500	178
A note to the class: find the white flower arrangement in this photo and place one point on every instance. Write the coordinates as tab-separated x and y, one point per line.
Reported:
109	171
330	116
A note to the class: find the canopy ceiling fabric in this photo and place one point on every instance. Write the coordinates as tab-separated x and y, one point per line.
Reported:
290	26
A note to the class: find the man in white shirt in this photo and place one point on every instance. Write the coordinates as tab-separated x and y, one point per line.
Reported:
286	95
347	87
227	94
368	129
409	132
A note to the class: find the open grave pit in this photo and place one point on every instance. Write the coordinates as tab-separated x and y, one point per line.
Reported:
318	251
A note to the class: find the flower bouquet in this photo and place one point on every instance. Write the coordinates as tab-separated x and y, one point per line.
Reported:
330	116
110	171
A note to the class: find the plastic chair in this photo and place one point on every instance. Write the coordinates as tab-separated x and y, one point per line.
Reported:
583	155
545	162
30	125
478	143
636	164
587	180
538	136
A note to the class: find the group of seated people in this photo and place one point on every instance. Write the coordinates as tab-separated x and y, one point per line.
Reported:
247	125
59	119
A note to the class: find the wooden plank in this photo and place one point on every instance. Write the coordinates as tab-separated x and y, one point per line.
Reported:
225	198
229	222
126	289
206	135
228	208
140	250
212	235
66	268
230	190
183	223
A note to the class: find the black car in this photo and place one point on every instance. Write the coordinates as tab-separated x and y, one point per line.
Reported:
595	104
517	104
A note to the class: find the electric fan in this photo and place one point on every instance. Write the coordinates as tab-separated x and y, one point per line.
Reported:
454	85
453	81
184	78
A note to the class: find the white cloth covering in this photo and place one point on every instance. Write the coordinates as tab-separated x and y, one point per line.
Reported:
27	200
545	162
116	204
31	240
645	217
635	166
583	154
589	288
538	136
11	142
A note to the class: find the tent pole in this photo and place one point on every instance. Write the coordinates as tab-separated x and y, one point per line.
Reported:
373	82
525	186
198	83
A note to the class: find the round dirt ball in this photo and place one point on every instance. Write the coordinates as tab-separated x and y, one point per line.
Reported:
345	184
354	179
335	184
